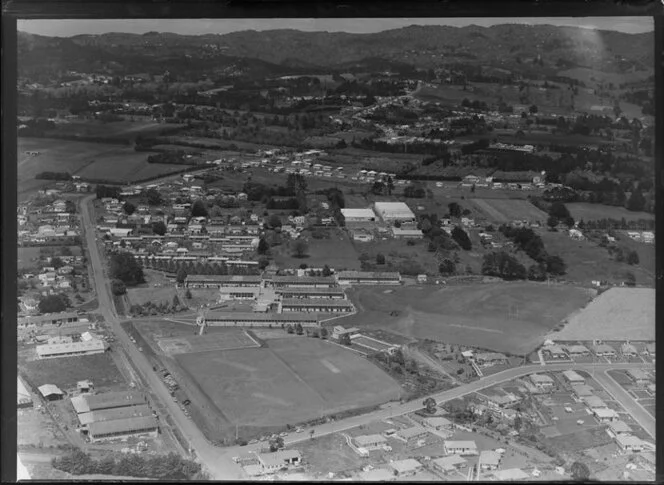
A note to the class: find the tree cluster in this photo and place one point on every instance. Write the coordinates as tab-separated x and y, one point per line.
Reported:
54	303
124	267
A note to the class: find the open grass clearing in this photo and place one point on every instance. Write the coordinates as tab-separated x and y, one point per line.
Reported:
65	372
505	210
617	314
593	212
587	261
337	251
506	317
289	382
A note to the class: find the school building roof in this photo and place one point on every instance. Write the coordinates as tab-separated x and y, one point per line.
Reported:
123	426
108	400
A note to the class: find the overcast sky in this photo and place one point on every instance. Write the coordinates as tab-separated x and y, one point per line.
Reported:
66	28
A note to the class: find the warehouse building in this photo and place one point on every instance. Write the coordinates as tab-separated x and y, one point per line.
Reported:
394	211
113	414
315	305
358	215
49	319
312	293
245	319
303	281
218	281
368	278
108	400
51	351
122	428
23	396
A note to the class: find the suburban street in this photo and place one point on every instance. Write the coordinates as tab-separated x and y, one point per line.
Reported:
218	461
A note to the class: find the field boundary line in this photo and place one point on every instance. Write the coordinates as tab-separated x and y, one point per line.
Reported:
298	377
250	338
348	348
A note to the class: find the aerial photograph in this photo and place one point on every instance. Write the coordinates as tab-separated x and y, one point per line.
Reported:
399	249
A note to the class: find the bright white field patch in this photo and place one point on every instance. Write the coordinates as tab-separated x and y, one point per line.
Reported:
330	366
617	314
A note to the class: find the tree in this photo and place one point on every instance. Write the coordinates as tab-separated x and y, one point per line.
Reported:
503	265
263	262
129	208
630	279
447	267
461	237
198	209
298	329
118	287
159	228
52	304
290	329
274	221
276	444
181	275
56	262
377	188
580	471
555	265
636	201
430	405
187	294
552	222
323	332
559	210
380	258
537	272
300	248
344	339
327	271
533	109
632	257
123	266
154	197
263	246
455	209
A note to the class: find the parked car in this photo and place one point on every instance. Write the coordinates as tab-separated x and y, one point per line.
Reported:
253	442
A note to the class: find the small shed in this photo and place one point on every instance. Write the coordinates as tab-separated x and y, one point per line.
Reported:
51	392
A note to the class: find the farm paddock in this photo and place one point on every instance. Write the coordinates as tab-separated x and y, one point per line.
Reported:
505	317
593	212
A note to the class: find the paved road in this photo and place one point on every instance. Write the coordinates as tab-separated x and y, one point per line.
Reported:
643	417
218	461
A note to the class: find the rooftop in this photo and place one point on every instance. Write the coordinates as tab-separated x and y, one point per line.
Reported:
259	317
126	425
278	457
369	439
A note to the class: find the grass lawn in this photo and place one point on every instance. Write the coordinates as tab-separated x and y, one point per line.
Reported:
506	317
289	382
65	372
328	453
587	261
498	211
338	251
157	289
591	212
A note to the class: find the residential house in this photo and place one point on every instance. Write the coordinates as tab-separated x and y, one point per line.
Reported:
412	435
489	460
582	390
639	377
453	447
619	428
555	351
629	443
370	442
407	467
448	463
573	377
576	235
594	402
271	462
650	349
510	474
628	350
500	401
542	381
438	423
603	350
605	415
577	350
490	358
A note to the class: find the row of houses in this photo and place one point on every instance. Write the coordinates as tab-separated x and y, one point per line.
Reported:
627	349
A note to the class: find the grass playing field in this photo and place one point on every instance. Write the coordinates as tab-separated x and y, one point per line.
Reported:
506	210
506	317
293	380
337	251
593	212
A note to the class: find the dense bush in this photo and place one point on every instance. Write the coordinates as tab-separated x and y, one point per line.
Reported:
125	268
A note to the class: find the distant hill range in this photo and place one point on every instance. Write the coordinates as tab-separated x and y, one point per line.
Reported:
280	52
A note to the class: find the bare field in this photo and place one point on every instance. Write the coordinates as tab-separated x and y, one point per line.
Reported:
617	314
506	317
506	210
592	212
289	382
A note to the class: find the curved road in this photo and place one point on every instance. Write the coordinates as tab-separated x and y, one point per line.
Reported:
218	461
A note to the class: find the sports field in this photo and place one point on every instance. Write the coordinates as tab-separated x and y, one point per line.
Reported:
505	317
190	344
506	210
617	314
593	212
293	380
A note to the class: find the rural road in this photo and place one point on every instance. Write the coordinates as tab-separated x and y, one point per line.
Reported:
218	461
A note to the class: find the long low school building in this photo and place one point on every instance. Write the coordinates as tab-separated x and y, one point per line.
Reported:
368	278
49	319
243	319
121	428
312	293
219	281
72	349
302	281
315	305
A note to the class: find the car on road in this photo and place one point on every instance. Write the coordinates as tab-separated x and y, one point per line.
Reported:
283	434
580	421
253	442
299	430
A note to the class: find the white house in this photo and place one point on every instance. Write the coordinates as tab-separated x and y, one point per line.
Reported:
453	447
271	462
394	211
448	463
573	377
489	459
542	381
370	441
358	215
605	415
628	442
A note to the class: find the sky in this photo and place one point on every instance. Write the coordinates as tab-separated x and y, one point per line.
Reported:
70	27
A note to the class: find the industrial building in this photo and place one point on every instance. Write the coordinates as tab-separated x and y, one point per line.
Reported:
238	293
245	319
358	215
113	414
109	400
51	351
311	293
368	278
218	281
49	319
315	305
394	211
121	428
